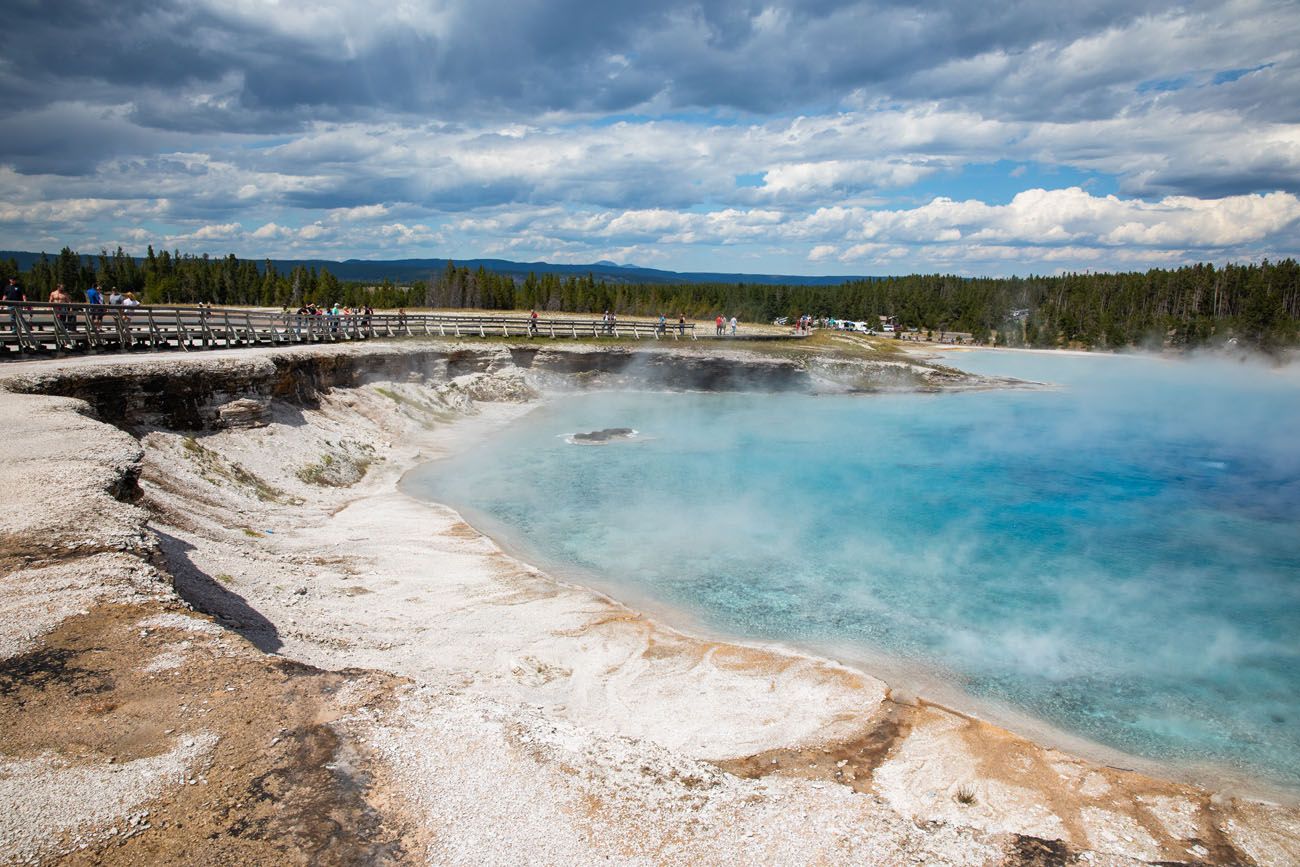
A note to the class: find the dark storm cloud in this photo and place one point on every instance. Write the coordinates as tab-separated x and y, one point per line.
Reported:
75	43
1268	95
69	139
507	56
1231	180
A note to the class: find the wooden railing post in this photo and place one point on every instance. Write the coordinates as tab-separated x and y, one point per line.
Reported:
123	329
183	339
154	338
95	323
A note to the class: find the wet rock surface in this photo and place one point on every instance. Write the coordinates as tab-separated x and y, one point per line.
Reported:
604	436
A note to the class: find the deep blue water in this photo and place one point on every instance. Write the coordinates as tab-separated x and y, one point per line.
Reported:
1118	557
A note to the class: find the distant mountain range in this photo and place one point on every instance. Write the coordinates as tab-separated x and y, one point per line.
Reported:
407	270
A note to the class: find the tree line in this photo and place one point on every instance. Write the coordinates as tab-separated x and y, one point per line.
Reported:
173	278
1197	305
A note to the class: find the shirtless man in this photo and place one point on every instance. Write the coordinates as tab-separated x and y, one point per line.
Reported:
65	318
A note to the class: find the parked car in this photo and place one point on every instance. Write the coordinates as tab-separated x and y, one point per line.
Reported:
781	320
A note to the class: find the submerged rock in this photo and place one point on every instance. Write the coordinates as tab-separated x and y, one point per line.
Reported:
602	436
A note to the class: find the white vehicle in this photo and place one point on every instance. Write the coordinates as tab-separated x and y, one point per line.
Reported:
862	327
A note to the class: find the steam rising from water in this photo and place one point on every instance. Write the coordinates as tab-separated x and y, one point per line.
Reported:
1118	557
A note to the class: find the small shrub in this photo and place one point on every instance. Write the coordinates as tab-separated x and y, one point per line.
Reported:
965	795
342	468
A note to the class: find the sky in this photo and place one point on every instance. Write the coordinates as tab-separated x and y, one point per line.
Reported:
787	137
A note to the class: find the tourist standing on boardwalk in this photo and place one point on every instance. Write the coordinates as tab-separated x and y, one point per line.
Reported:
733	326
717	325
681	324
59	297
128	303
13	295
532	321
94	296
115	297
663	324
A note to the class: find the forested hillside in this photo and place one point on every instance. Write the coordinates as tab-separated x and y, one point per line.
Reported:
1191	306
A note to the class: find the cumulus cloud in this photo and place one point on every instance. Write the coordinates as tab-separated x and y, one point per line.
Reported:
218	232
1072	216
708	132
269	231
1055	229
846	177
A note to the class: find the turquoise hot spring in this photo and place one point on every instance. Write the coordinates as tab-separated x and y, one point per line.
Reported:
1112	559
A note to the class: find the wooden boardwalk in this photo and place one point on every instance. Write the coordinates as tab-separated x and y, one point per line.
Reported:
32	328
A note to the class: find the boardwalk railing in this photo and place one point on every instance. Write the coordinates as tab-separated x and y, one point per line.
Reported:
32	327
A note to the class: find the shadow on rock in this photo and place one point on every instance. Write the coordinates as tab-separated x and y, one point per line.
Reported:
205	594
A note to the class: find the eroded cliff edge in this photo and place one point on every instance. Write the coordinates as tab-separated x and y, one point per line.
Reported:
200	392
375	682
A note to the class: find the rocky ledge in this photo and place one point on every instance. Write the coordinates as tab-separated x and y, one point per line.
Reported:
213	391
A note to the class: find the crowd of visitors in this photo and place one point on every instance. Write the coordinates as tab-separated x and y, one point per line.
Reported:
65	315
336	317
